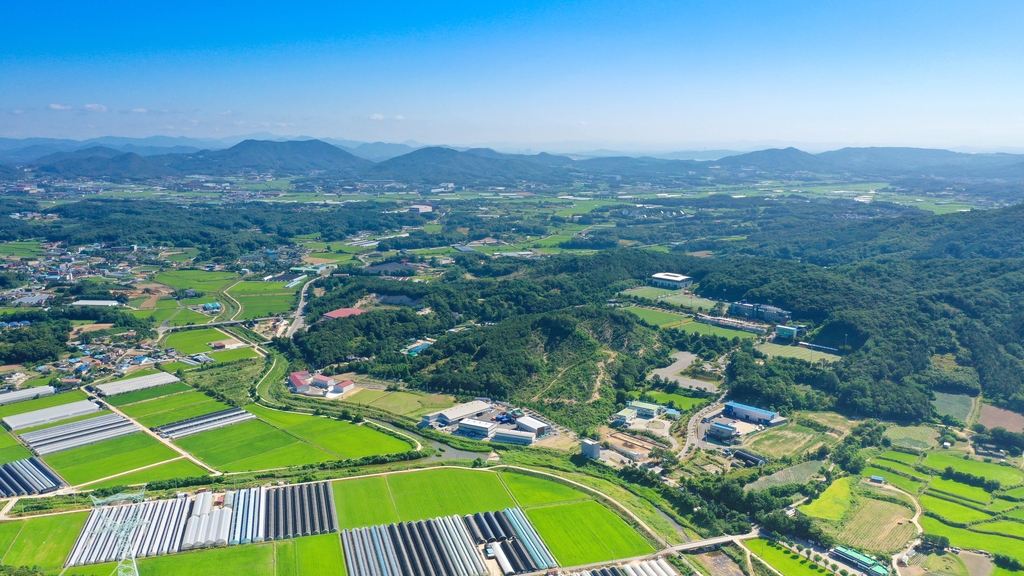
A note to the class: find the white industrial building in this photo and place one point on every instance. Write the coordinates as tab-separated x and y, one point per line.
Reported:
671	280
529	424
591	448
106	303
477	428
514	437
456	414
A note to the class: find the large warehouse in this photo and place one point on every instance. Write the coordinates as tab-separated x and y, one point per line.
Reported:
752	414
671	280
456	414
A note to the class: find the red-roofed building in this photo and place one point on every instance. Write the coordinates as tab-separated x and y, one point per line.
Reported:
299	379
343	313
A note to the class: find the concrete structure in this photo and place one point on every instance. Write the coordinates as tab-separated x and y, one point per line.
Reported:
625	417
764	312
343	313
752	414
591	448
646	409
867	564
671	280
530	424
514	437
789	332
455	414
477	428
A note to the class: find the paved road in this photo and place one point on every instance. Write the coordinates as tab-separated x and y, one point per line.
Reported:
693	427
671	372
299	317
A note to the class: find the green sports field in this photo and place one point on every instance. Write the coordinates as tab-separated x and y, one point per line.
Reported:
1006	475
586	532
174	408
40	403
194	341
785	561
95	461
692	302
709	330
147	394
682	403
341	439
44	542
251	445
655	317
798	352
833	503
199	280
649	292
181	468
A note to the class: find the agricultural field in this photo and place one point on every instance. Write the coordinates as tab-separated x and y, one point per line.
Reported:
405	403
903	457
786	440
168	409
107	458
837	422
231	381
147	394
264	306
429	493
798	352
681	403
965	538
914	437
959	490
798	474
956	405
364	502
879	526
341	439
585	532
10	449
199	280
194	341
1006	475
251	445
530	491
159	315
261	288
40	403
1005	527
903	483
21	249
951	510
992	416
234	354
834	502
43	542
903	468
186	317
656	317
785	561
180	468
709	330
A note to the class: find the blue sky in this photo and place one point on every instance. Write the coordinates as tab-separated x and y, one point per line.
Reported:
517	75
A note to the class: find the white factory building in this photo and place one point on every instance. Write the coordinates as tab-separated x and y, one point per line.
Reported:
671	280
529	424
477	428
456	414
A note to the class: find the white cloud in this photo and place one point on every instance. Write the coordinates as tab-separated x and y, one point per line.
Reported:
140	111
95	107
59	107
17	112
376	116
399	117
226	113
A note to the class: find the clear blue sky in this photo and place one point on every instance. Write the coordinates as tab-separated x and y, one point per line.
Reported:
551	75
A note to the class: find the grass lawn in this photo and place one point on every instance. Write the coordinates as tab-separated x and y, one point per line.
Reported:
367	396
430	493
173	367
690	301
199	280
797	352
44	542
168	409
194	341
406	403
530	491
799	474
182	468
586	532
946	564
40	403
682	403
964	538
964	491
95	461
1004	474
833	503
231	355
656	317
951	510
251	445
147	394
895	479
10	449
342	439
916	437
709	330
956	405
785	561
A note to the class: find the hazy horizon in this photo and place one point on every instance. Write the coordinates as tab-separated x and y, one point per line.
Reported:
568	77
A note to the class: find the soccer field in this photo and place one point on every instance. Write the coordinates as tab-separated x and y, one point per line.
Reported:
656	317
798	352
709	330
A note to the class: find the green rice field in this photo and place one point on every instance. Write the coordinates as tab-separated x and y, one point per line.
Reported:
168	409
964	491
159	315
530	491
95	461
10	449
185	317
899	457
1005	527
260	288
44	542
585	532
264	306
147	394
785	561
1006	475
181	468
251	445
798	352
194	341
896	480
656	317
903	468
951	510
21	249
235	354
406	403
341	439
199	280
965	538
833	503
40	403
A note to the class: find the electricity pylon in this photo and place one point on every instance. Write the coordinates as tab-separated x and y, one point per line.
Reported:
122	529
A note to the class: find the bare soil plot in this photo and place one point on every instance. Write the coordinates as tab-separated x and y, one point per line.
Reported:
992	417
718	564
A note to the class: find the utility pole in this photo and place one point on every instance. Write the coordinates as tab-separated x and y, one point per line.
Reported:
123	529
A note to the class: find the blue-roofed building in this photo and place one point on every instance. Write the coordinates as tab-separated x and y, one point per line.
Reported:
752	414
722	431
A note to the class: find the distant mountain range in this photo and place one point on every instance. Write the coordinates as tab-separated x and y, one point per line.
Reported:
431	165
